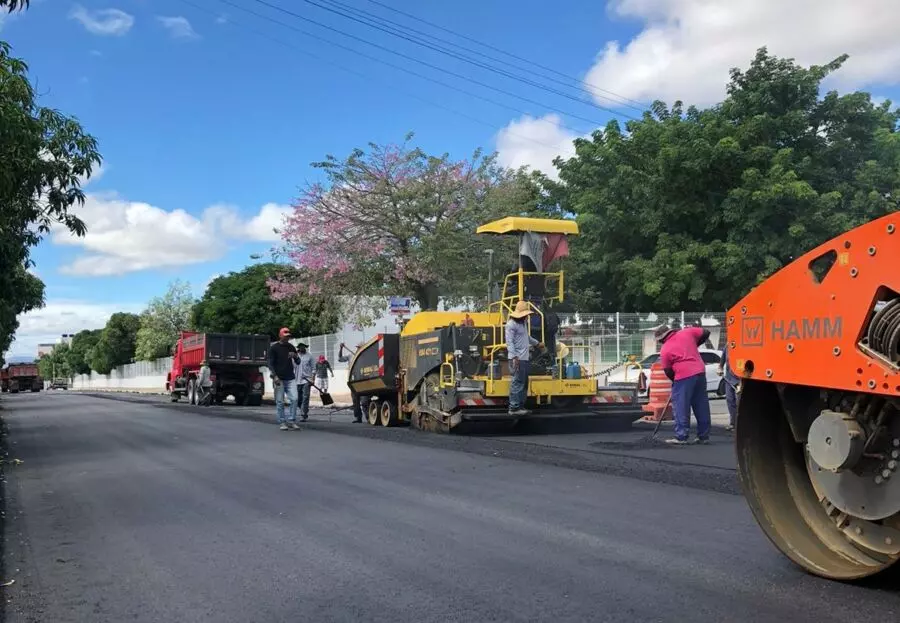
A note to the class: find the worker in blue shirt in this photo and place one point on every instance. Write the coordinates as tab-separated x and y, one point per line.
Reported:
518	348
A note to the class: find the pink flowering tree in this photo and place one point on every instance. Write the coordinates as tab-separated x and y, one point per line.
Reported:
393	220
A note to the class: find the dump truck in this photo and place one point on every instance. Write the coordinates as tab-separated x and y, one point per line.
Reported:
24	377
817	348
448	368
234	361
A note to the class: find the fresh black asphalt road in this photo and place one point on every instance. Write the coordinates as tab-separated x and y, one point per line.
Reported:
134	511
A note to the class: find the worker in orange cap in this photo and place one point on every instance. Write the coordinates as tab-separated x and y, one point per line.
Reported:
681	361
282	355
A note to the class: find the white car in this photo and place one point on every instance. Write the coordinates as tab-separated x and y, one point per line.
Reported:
712	359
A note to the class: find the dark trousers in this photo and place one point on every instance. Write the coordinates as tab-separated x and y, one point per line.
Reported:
360	405
518	385
731	399
687	394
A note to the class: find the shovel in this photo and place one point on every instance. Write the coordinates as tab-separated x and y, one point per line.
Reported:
325	396
661	417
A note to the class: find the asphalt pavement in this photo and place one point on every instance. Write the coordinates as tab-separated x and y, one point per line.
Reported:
138	510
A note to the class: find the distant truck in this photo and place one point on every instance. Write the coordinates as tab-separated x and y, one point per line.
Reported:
234	362
59	384
24	377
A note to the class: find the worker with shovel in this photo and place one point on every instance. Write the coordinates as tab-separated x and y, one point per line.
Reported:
681	361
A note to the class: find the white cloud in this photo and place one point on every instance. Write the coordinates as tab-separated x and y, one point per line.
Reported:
222	19
127	236
108	22
262	226
60	316
534	142
98	172
687	46
179	27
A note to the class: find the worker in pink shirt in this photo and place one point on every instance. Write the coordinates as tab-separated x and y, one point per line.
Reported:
681	361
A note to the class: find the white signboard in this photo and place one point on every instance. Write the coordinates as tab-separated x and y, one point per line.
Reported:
400	305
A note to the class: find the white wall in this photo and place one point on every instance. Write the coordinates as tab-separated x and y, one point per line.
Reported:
120	380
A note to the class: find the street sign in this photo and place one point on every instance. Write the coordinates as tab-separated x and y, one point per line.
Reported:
400	305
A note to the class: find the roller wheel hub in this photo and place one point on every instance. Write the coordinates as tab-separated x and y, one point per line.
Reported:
862	483
836	441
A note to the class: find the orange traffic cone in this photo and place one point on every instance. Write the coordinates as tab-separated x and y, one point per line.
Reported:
659	406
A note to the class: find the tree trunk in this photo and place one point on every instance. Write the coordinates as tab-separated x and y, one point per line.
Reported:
426	296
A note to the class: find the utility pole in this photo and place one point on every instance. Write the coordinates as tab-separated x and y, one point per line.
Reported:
490	292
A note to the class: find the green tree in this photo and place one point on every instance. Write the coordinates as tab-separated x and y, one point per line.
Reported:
240	302
116	344
394	220
78	353
56	364
165	317
44	157
691	209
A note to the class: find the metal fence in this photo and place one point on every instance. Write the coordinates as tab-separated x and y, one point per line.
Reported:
323	345
610	338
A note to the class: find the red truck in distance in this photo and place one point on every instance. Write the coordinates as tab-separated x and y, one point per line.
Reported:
234	362
24	377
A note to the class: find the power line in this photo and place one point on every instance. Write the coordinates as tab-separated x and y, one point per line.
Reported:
402	32
443	70
355	72
642	105
387	63
570	82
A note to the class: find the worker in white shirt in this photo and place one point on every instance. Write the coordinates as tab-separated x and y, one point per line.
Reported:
205	384
304	371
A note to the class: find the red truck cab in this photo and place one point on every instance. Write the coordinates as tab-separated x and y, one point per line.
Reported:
234	361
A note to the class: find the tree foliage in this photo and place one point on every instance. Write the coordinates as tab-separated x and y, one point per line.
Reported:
240	302
56	364
690	209
164	319
44	157
79	352
116	344
394	220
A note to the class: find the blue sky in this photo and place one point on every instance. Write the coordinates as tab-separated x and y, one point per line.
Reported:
207	128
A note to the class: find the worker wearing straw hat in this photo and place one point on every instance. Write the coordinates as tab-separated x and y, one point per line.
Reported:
518	347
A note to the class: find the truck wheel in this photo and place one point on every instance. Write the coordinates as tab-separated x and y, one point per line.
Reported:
388	413
373	413
254	400
175	396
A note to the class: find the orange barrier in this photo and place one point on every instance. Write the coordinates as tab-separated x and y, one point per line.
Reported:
659	407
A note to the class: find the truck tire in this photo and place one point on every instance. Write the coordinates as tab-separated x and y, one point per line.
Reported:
387	413
372	415
254	400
